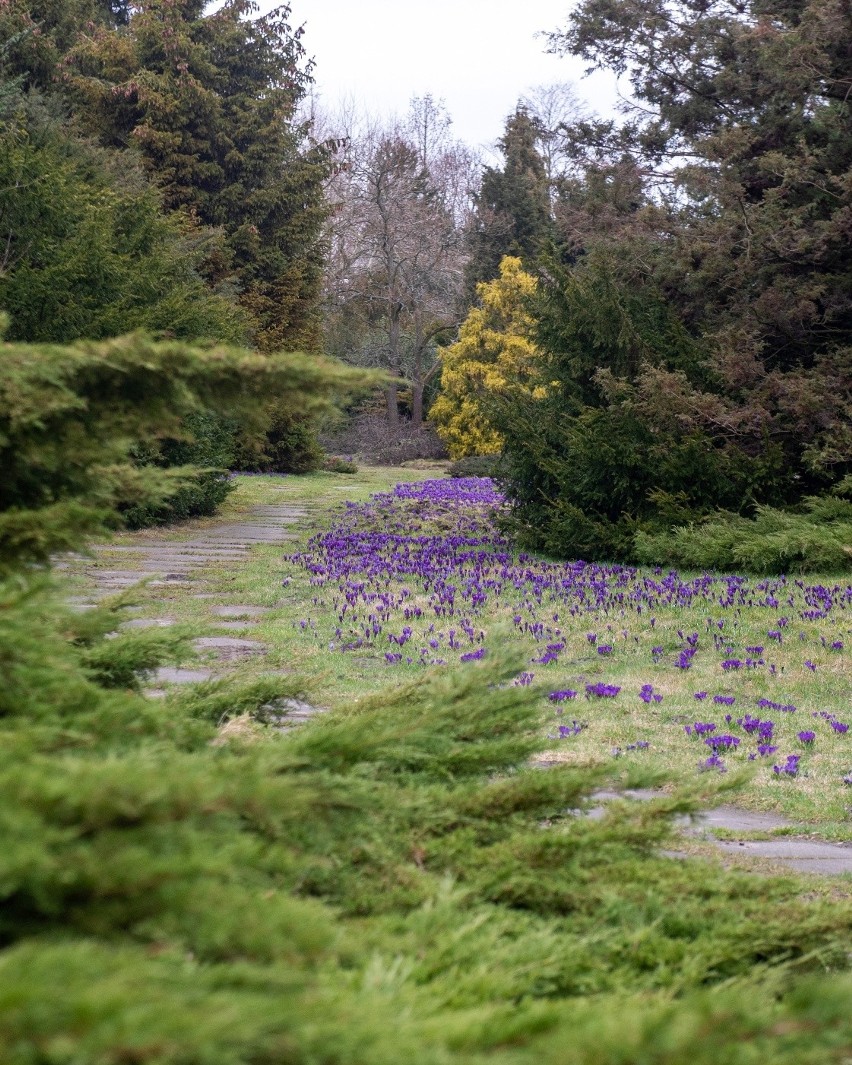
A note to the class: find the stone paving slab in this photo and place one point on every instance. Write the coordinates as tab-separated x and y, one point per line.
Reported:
174	675
165	567
785	849
238	611
228	643
229	648
803	855
147	623
103	575
733	819
284	714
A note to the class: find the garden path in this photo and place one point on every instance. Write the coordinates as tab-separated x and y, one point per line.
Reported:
175	559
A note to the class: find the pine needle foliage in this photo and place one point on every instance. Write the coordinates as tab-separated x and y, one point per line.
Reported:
392	881
72	416
815	538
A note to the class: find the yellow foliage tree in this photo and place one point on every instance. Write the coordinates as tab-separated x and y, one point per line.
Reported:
493	354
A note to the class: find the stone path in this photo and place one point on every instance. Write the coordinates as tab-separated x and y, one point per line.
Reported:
173	562
807	856
176	562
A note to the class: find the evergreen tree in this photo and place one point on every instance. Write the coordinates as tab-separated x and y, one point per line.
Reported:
512	214
702	342
493	353
210	102
87	250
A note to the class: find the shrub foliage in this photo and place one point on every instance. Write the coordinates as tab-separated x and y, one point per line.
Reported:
72	417
390	882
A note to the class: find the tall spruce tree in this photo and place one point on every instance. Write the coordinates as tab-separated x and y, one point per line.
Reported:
210	102
512	214
702	343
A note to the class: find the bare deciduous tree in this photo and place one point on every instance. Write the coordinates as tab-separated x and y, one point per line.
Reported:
401	201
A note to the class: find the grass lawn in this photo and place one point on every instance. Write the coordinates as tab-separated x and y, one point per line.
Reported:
684	651
396	881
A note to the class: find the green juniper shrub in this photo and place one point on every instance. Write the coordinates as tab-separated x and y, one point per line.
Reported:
71	418
814	537
282	441
390	880
476	466
208	443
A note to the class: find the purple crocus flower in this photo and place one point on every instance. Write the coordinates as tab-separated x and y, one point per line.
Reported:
574	729
603	691
789	769
723	743
562	696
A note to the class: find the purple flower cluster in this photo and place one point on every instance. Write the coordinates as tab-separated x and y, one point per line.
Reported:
562	696
418	567
784	708
602	691
700	728
723	743
574	729
790	768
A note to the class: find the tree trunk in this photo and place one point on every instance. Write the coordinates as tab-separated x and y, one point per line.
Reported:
392	400
417	404
392	393
417	387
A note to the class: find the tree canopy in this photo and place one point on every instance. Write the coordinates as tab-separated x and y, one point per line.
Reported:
513	203
492	355
209	100
709	309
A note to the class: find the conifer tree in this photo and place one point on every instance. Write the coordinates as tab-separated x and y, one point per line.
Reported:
493	353
702	340
513	204
87	249
210	99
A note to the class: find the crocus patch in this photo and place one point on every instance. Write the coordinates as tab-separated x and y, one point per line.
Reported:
417	576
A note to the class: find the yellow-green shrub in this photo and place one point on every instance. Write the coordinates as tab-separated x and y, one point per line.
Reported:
493	353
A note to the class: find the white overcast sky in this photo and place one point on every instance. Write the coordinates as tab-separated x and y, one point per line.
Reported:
478	56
